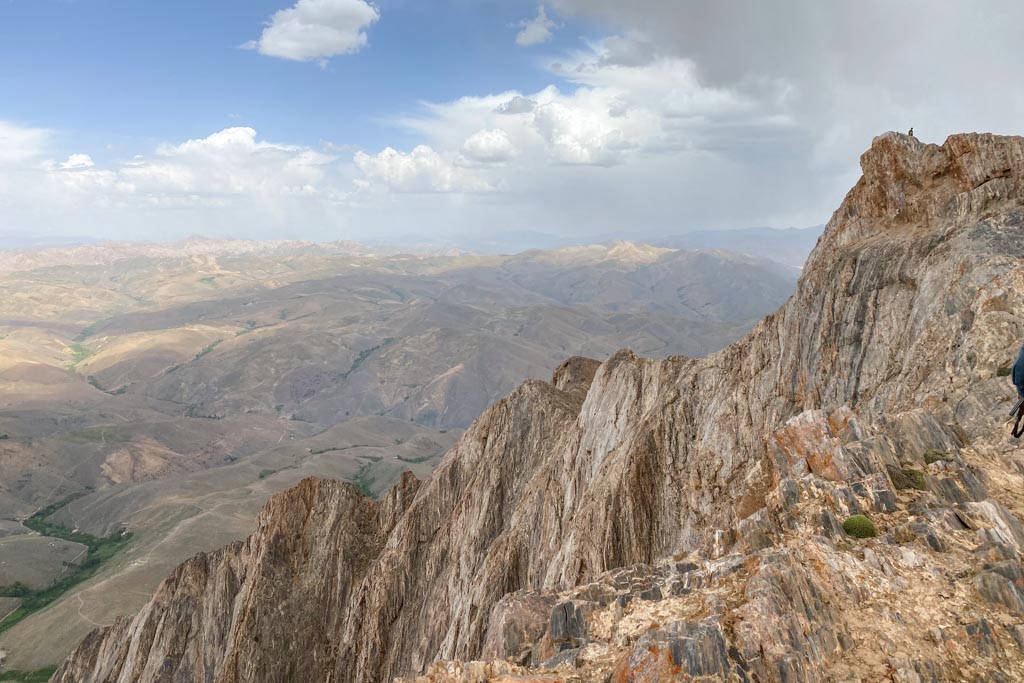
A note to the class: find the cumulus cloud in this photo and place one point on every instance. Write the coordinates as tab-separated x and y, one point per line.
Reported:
615	113
421	170
317	29
76	161
488	146
230	180
517	105
537	30
231	162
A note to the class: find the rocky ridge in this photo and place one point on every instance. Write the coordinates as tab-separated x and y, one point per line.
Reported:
641	520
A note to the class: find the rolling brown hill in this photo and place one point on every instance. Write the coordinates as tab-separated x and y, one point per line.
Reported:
169	390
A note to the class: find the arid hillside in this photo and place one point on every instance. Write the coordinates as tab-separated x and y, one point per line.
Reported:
167	391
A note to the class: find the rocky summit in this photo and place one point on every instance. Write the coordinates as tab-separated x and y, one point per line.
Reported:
683	520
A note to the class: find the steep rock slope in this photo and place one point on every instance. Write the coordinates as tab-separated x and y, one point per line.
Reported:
670	520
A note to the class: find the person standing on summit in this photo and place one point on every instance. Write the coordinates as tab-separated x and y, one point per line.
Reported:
1017	375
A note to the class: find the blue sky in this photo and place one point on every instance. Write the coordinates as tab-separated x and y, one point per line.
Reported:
129	72
361	119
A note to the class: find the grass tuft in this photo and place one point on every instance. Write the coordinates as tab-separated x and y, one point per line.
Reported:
860	526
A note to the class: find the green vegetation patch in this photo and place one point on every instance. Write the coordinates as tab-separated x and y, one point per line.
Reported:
1003	372
98	551
266	473
250	325
207	349
195	410
363	480
79	353
40	676
96	383
414	461
860	526
363	355
933	456
904	479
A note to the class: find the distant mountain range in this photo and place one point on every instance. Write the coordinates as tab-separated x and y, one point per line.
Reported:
789	246
21	241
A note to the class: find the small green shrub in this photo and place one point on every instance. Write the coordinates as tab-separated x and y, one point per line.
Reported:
1003	372
932	456
860	526
266	473
207	349
915	480
907	479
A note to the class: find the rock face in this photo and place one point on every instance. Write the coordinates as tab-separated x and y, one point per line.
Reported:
681	520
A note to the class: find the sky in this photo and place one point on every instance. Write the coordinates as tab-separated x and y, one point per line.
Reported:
424	119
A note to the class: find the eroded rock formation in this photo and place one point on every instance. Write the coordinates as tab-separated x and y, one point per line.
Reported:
682	519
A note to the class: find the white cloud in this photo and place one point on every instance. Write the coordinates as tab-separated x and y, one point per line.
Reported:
421	170
488	146
517	105
76	161
537	30
231	162
228	182
317	29
20	143
617	113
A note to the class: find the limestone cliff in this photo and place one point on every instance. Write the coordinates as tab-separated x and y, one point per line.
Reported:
670	520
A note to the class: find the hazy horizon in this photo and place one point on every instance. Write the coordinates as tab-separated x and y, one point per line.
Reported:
788	246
